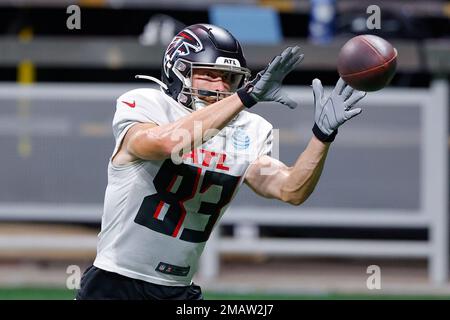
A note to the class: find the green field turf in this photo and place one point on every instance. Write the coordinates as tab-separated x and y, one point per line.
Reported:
64	294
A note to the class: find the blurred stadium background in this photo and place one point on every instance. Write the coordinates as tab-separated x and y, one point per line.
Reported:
382	199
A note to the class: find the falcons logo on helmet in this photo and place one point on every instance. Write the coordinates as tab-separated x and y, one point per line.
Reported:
181	46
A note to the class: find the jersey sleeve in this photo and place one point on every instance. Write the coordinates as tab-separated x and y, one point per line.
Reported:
137	106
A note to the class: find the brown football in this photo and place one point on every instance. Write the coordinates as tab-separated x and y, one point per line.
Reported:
367	62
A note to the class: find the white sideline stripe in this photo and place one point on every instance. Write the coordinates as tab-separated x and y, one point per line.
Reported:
87	92
44	242
354	137
358	137
332	247
326	217
243	215
51	212
43	126
57	91
402	98
109	92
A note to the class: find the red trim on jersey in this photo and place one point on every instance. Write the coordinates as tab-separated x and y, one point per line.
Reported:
205	187
183	214
169	188
224	203
161	203
158	209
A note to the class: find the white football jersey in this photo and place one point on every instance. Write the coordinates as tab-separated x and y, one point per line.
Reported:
158	215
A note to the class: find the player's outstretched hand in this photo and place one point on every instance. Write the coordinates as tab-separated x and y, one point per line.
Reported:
266	86
333	111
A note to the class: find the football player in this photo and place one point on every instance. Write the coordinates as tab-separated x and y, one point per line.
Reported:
182	153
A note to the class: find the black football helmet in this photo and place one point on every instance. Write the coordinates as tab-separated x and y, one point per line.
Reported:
202	46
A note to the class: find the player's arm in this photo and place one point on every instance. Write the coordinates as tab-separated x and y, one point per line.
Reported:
273	179
151	142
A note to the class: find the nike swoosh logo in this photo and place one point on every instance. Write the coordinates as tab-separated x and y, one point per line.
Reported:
131	105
